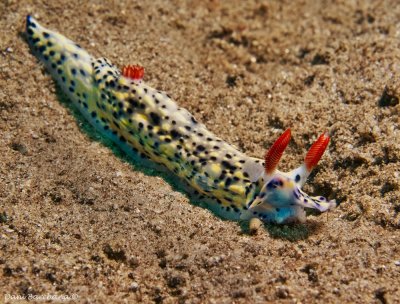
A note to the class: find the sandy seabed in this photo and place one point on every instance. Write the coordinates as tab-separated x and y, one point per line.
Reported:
79	222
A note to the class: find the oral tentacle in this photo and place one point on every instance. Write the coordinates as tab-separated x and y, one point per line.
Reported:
315	202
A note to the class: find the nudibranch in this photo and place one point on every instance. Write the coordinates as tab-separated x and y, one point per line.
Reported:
148	123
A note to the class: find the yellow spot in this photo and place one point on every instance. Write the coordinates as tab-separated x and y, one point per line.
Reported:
70	48
239	174
237	189
123	81
139	91
148	100
139	116
119	95
168	150
215	169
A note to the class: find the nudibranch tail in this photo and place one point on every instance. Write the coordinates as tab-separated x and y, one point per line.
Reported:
69	64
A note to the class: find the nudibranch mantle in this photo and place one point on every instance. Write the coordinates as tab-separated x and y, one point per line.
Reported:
146	122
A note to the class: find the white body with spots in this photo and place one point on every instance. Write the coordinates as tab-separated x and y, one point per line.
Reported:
147	122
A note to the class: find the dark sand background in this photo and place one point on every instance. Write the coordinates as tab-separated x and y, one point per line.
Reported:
79	218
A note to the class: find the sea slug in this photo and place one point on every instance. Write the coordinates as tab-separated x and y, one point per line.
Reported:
146	122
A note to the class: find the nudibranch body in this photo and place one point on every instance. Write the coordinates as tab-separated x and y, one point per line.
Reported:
147	122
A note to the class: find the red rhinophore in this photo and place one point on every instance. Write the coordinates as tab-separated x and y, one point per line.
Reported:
135	72
315	153
274	154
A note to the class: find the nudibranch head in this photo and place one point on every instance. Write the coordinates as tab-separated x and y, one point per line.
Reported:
282	192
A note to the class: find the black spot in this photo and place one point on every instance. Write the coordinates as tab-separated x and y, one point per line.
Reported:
42	48
71	89
52	53
188	128
228	165
85	105
200	148
94	114
216	147
82	72
229	156
53	65
193	120
76	55
46	35
297	178
116	124
155	118
30	32
133	102
175	134
235	208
